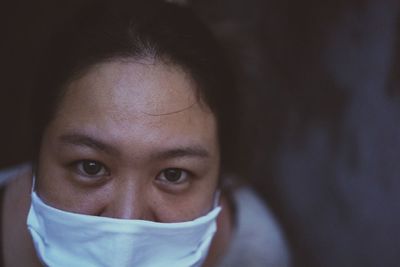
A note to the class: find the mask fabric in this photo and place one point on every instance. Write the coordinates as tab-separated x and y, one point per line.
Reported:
69	239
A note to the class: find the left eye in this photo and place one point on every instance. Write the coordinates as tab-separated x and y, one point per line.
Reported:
173	175
91	168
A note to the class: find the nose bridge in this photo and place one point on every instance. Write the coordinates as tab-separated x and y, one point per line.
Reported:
128	201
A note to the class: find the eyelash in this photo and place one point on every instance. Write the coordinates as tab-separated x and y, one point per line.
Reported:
161	177
79	168
164	179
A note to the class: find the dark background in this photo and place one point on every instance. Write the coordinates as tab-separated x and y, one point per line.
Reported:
320	115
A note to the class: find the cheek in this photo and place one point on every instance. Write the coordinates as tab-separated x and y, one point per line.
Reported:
196	202
202	195
55	187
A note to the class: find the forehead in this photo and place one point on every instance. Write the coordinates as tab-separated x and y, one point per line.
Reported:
135	101
145	86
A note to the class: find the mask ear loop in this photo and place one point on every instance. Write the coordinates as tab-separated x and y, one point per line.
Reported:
33	182
34	171
217	198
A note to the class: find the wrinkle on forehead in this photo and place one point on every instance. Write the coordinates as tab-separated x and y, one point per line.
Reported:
171	112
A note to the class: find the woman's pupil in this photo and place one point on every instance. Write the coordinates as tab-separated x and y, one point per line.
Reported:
173	175
91	167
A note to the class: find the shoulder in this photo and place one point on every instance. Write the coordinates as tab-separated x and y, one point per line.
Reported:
11	173
16	183
257	239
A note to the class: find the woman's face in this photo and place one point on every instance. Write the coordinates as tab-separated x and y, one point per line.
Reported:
131	140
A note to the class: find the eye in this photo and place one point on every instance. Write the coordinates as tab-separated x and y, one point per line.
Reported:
173	176
91	168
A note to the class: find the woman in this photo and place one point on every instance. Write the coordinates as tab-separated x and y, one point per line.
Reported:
134	126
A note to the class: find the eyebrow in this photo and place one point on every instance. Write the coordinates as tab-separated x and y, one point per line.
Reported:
93	143
87	141
190	151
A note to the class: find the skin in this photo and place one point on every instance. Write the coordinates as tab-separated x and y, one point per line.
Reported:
134	121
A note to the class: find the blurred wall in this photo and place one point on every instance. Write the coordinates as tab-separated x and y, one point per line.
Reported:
320	86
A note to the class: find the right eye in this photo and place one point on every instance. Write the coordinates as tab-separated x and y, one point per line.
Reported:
91	168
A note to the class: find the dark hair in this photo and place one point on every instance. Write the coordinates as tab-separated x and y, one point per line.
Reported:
105	30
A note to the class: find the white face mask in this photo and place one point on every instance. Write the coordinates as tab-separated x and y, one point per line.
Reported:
69	239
